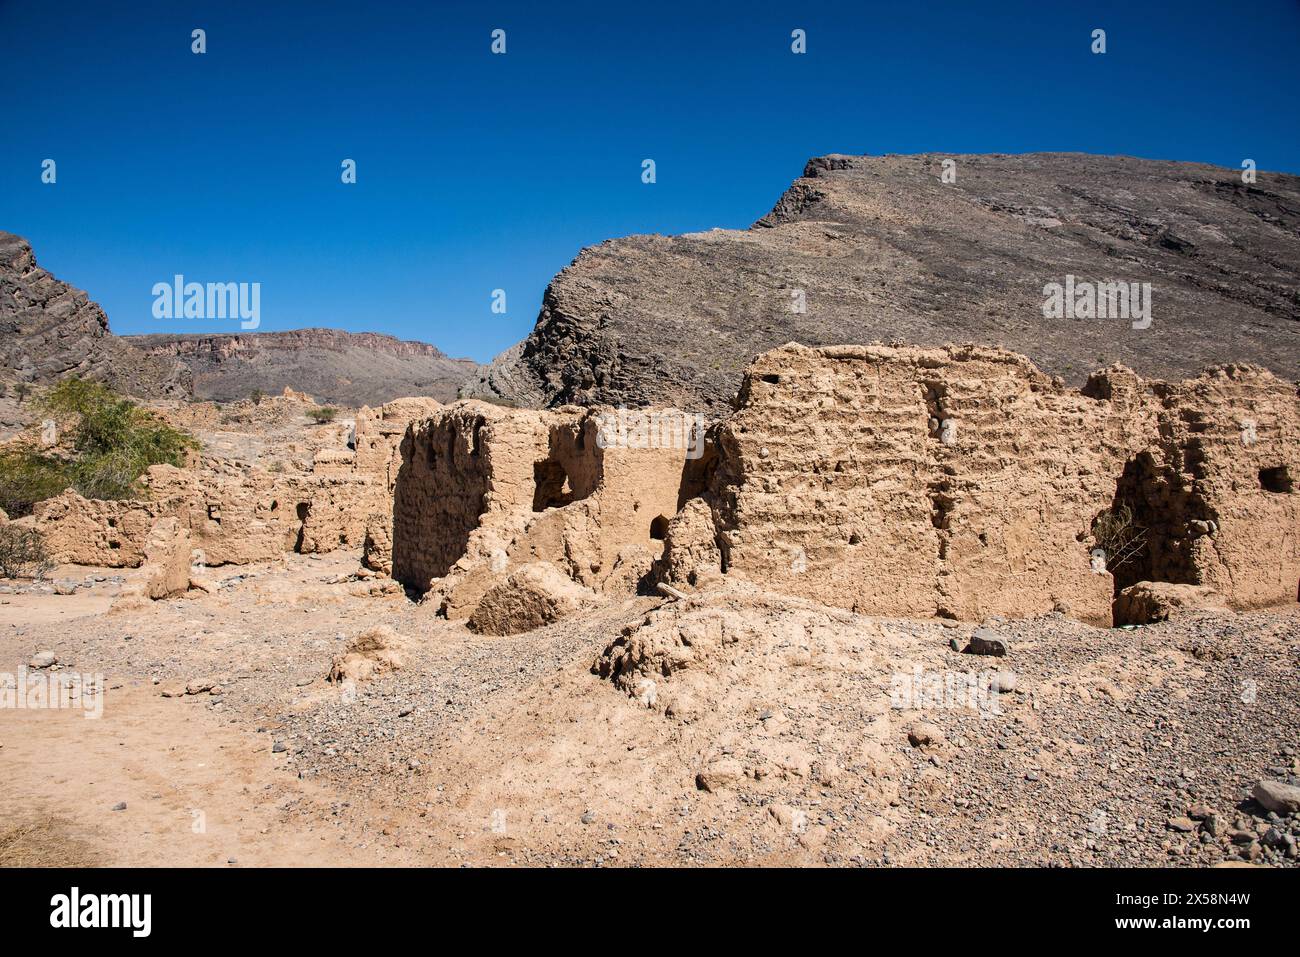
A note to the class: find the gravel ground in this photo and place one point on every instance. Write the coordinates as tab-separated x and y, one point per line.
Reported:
777	744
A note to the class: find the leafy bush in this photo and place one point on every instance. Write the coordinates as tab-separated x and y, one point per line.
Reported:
22	552
27	477
113	441
322	414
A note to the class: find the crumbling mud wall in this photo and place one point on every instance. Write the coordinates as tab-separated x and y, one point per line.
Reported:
87	532
450	477
485	490
962	482
378	436
239	513
1222	490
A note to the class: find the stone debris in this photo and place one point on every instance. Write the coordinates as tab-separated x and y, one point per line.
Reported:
368	655
1147	602
986	641
1278	796
532	596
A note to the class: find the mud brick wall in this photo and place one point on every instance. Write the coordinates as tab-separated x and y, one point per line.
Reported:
1231	444
963	482
456	467
484	490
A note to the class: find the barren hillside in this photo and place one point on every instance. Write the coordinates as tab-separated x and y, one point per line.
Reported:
330	364
49	329
879	249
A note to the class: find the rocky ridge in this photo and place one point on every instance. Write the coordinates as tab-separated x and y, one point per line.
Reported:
864	249
332	365
49	329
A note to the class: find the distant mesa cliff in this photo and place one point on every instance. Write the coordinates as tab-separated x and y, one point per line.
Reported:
50	330
866	249
331	365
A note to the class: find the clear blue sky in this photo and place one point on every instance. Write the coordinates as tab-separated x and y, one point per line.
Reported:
478	171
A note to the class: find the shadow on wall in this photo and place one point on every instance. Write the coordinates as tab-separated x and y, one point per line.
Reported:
440	494
572	469
1145	533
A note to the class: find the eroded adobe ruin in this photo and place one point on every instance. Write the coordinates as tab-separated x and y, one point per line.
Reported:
484	491
237	513
960	482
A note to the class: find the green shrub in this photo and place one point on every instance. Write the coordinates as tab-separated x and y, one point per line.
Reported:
28	477
322	414
22	552
113	442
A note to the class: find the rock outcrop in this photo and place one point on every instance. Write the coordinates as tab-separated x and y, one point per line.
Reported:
49	330
868	249
334	366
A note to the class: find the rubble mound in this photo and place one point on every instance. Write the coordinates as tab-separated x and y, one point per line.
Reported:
369	655
534	595
1148	602
759	667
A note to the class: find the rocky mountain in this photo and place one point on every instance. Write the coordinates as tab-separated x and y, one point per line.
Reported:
879	248
329	364
49	329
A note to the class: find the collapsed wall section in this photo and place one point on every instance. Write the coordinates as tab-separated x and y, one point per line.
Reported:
466	461
1233	440
237	514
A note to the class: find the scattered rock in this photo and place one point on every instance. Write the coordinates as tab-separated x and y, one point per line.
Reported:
1003	682
1277	796
986	641
719	774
